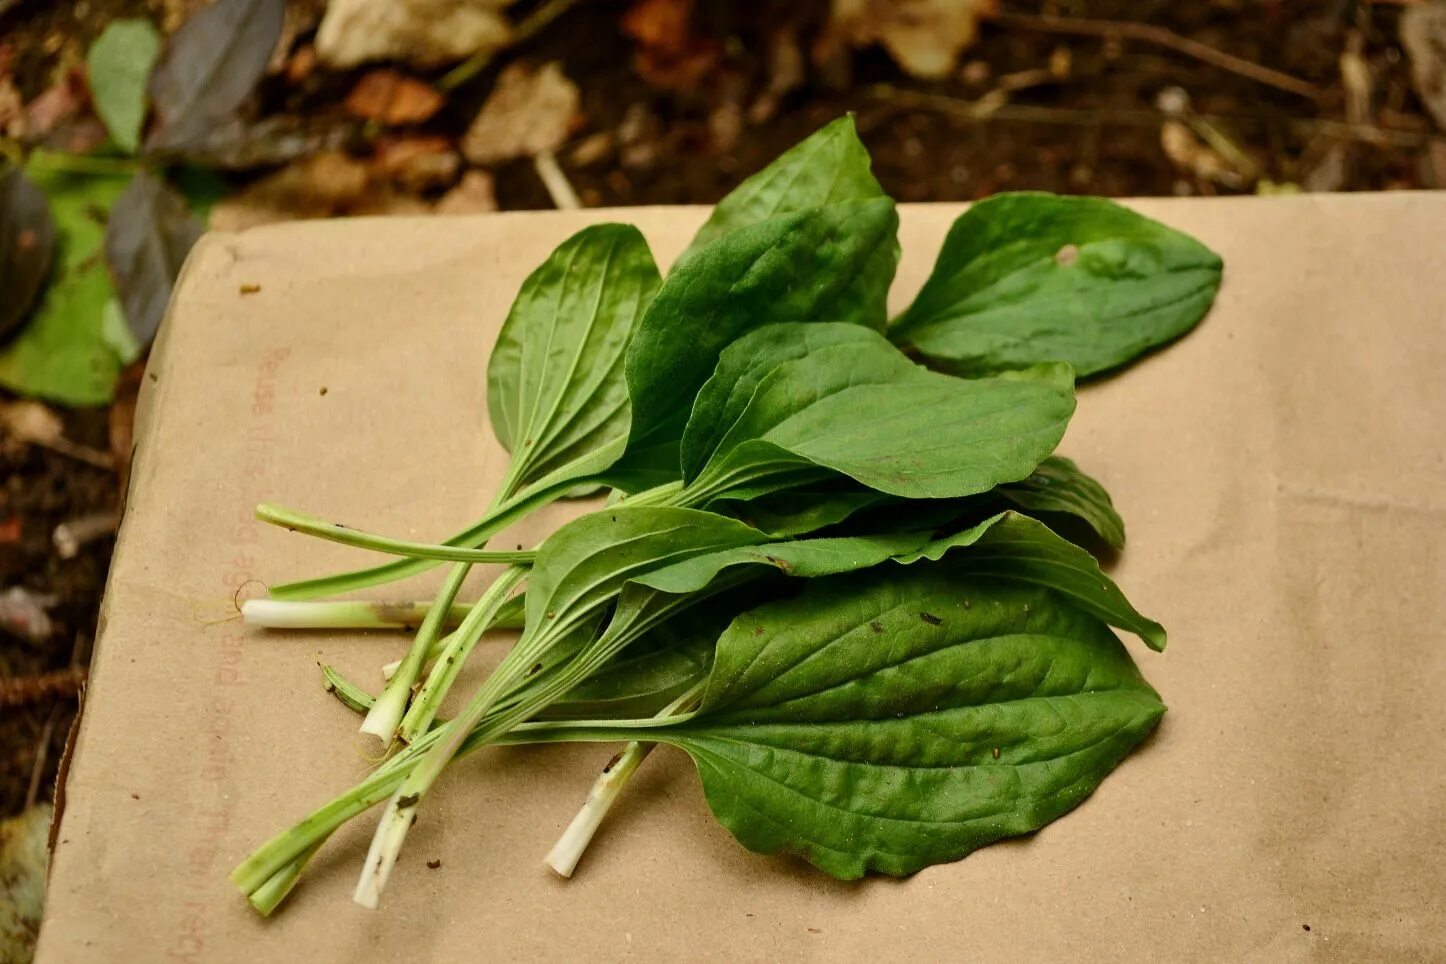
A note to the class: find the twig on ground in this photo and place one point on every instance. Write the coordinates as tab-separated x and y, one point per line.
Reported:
42	753
525	30
25	690
71	534
556	181
1092	117
1149	33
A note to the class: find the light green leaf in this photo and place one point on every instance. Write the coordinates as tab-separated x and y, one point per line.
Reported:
119	65
62	354
117	334
555	387
891	720
858	407
1025	278
800	266
24	853
1057	486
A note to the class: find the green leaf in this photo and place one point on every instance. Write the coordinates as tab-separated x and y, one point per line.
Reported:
63	354
119	65
556	393
847	401
887	723
1025	278
800	266
808	508
1057	486
829	167
1015	547
586	563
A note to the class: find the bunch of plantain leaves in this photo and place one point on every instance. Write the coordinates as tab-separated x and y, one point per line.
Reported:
828	568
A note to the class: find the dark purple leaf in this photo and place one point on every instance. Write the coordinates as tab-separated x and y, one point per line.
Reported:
149	234
210	66
27	244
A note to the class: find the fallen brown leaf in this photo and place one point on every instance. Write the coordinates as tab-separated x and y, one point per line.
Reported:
417	164
423	33
670	53
391	97
1423	34
54	106
924	37
325	185
472	195
528	112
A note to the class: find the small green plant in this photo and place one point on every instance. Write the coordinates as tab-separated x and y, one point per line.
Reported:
880	631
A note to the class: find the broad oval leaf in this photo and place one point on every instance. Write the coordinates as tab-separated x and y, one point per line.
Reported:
27	246
887	724
1058	487
210	66
800	266
1026	278
118	66
556	392
147	238
860	408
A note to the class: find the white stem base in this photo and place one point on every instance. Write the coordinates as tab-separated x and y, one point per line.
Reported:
565	854
382	855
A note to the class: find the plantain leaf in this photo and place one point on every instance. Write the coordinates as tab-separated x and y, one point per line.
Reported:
829	167
841	399
1027	278
118	66
556	393
890	720
744	280
1058	487
27	246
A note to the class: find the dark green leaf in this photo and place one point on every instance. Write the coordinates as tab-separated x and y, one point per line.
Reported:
847	401
829	166
119	65
1057	486
800	266
890	723
210	66
27	246
63	354
149	234
1015	547
1026	278
556	392
796	511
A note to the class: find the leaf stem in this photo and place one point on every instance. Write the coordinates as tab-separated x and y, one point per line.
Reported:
335	532
279	614
568	850
385	714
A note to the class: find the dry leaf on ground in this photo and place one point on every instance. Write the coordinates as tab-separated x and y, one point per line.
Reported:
924	37
528	112
472	195
423	33
325	185
670	53
1423	34
417	164
391	97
